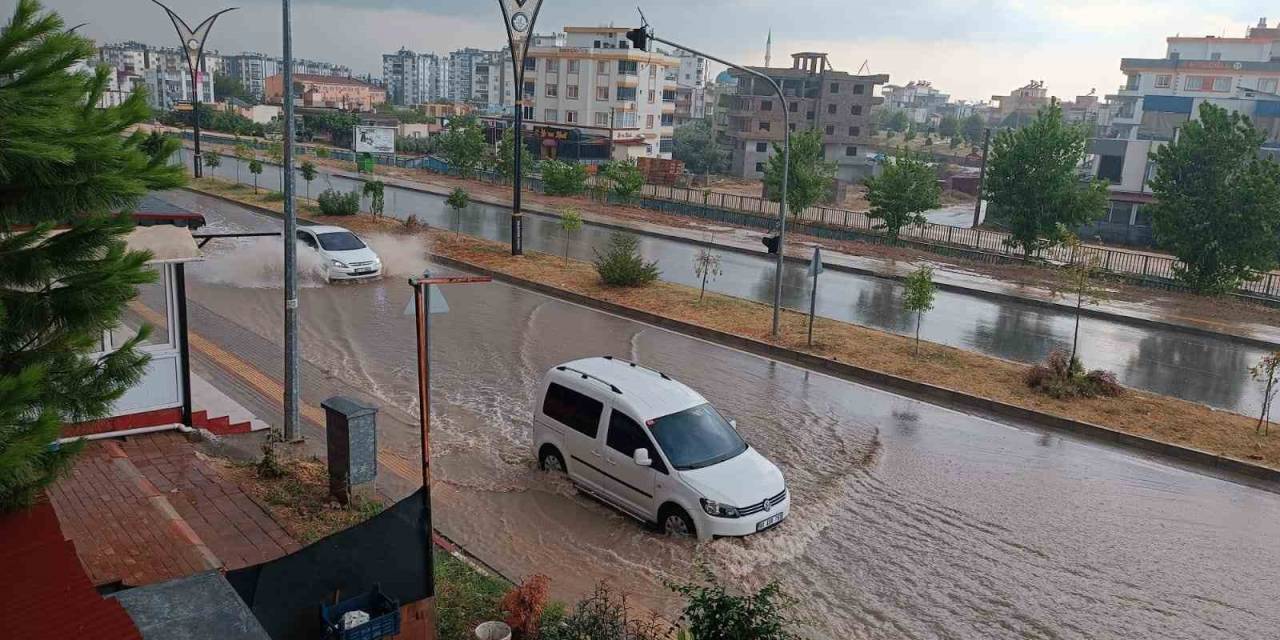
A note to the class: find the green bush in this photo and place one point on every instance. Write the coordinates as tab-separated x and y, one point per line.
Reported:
336	203
1062	377
712	613
625	177
563	178
603	615
622	265
274	196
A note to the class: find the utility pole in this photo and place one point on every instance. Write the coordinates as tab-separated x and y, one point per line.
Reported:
639	38
292	430
193	46
519	16
982	178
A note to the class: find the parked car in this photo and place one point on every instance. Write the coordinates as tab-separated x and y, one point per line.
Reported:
344	254
655	449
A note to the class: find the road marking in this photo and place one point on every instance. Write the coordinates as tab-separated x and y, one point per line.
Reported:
269	388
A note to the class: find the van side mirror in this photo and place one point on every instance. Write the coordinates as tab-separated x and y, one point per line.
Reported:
641	458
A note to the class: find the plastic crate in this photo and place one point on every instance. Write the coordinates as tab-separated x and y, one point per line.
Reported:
384	617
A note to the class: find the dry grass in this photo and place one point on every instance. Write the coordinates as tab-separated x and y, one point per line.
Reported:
299	499
1158	417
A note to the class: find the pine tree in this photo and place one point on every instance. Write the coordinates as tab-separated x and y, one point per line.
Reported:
63	162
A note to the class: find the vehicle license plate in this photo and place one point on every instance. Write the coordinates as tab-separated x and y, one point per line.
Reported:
769	522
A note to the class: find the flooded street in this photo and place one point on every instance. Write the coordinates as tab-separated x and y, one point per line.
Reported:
908	520
1192	366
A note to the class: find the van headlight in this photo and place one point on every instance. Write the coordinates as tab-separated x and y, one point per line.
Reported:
718	510
339	264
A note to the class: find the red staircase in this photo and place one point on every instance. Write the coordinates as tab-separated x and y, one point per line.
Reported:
221	425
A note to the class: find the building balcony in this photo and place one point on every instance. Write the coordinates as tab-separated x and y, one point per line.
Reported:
668	107
628	80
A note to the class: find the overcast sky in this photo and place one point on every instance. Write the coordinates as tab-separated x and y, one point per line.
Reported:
970	48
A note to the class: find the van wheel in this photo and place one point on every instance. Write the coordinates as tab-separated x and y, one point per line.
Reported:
673	521
549	459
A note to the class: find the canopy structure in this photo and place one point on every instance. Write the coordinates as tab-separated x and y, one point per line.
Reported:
168	244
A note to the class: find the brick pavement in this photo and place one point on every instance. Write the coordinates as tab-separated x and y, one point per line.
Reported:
148	508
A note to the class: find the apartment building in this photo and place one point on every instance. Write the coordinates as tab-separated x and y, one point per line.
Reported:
251	70
1160	95
1020	106
166	88
588	95
919	99
492	88
461	64
436	73
690	79
333	92
404	77
835	103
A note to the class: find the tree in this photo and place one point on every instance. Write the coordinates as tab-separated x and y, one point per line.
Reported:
1267	371
275	151
506	158
1217	203
695	145
1033	185
458	200
897	121
243	154
224	86
811	175
563	178
917	296
626	177
909	135
621	265
948	127
463	145
308	170
706	265
376	190
972	128
154	145
955	142
211	159
1080	284
570	224
905	188
255	167
63	162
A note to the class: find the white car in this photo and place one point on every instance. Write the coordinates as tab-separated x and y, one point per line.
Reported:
344	254
655	449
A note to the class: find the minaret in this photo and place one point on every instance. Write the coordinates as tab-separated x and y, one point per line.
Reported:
768	49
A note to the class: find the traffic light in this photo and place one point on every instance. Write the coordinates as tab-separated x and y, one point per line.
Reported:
639	38
771	243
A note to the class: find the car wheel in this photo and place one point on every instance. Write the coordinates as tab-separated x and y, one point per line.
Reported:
551	460
673	521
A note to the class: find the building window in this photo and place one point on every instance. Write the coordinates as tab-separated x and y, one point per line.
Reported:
571	92
571	116
551	115
602	94
553	91
668	119
764	125
528	112
831	129
573	65
759	167
1164	81
652	94
831	109
666	145
851	152
1215	56
529	90
1222	84
795	107
530	64
809	115
835	87
766	105
859	89
626	93
627	67
1132	81
793	127
855	110
648	121
602	119
1267	85
668	95
855	132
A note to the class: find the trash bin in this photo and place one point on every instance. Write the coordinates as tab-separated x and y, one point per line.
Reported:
493	631
365	163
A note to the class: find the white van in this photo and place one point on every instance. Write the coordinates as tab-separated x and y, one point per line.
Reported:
655	449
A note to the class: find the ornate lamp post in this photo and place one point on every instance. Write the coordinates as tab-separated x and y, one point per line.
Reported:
519	16
193	47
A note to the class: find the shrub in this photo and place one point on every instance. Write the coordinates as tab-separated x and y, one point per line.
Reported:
622	265
411	223
604	616
524	605
274	196
1062	377
336	203
625	177
563	178
712	613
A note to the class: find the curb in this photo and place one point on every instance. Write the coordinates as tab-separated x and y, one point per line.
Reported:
918	390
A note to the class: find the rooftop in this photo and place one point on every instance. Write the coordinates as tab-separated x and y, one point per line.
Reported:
646	393
318	79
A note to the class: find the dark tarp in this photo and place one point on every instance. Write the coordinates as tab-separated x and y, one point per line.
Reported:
389	549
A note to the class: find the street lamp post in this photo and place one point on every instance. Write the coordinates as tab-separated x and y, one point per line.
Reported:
519	16
292	384
193	46
639	38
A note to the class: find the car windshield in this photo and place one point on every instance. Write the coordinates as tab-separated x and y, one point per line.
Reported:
697	437
340	241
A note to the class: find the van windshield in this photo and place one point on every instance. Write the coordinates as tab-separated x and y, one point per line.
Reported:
340	241
697	437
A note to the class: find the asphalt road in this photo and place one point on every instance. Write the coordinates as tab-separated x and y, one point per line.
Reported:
910	520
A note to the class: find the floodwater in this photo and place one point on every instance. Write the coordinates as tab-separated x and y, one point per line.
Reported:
909	520
1195	367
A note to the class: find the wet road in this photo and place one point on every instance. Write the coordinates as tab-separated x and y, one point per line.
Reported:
909	521
1186	365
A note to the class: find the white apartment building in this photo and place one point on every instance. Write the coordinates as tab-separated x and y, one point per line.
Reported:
919	99
492	85
404	77
1160	95
690	79
437	76
462	64
167	87
590	88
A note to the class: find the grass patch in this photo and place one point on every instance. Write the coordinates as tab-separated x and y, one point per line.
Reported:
464	597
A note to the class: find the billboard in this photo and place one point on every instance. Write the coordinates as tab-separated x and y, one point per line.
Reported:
371	139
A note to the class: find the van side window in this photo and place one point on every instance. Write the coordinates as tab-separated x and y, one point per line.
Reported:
572	409
625	436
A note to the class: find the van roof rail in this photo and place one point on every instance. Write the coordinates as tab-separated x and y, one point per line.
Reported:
639	366
587	376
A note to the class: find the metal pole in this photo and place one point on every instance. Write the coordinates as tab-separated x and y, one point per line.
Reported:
184	345
292	430
517	141
422	309
196	169
193	46
813	301
982	178
786	172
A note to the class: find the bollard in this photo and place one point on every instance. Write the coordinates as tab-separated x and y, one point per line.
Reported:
352	433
